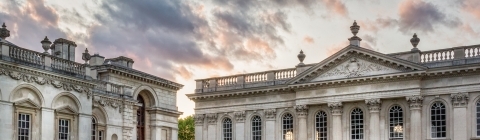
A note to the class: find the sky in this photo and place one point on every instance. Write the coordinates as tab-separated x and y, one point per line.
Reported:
184	40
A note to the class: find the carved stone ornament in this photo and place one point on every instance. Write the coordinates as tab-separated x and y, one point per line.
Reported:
415	40
373	104
240	116
46	44
270	113
301	57
199	118
104	101
86	56
459	99
42	81
4	32
212	118
302	110
354	68
336	108
415	101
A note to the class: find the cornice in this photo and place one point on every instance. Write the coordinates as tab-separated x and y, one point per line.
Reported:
137	75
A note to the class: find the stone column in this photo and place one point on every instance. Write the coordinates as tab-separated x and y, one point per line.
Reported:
460	101
48	122
270	115
302	111
336	108
240	125
212	126
6	121
84	126
199	126
415	102
374	108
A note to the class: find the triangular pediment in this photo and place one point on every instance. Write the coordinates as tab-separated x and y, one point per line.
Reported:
66	109
27	103
353	62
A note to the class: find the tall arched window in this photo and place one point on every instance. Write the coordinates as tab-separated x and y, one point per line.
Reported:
256	128
439	120
94	128
287	126
396	122
478	118
356	124
227	129
321	126
141	119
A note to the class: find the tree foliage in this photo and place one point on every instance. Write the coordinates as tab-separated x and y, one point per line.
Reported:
186	128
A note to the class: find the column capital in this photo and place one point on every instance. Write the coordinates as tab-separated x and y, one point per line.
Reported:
302	110
459	99
199	118
336	108
240	116
373	104
270	113
415	101
212	118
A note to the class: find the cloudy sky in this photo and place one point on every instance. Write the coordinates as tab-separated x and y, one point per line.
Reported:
183	40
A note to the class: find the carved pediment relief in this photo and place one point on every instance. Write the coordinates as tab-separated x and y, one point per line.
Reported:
355	67
65	101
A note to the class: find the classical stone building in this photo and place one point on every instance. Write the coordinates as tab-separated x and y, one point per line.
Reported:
354	94
49	96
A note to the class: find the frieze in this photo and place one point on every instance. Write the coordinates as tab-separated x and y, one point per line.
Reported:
43	81
415	101
302	110
459	99
240	116
104	101
270	113
373	104
199	118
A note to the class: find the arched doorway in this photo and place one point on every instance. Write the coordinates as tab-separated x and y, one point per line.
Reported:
141	119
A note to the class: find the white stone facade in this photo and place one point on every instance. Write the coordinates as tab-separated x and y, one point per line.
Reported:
354	94
49	96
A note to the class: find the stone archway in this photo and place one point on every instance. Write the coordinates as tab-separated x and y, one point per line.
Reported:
147	100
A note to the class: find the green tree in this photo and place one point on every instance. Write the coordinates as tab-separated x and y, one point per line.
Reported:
186	128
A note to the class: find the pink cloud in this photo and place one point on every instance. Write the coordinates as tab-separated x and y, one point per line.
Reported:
472	7
337	6
308	40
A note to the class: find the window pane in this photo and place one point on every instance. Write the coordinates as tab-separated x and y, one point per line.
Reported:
23	126
63	127
227	129
438	120
396	122
321	126
256	128
356	124
287	127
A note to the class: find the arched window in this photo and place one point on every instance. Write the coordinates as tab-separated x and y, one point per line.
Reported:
439	120
396	122
478	118
321	126
356	124
287	126
94	128
141	119
256	128
227	129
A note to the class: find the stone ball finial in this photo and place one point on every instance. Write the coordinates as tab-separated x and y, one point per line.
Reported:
415	40
46	44
301	57
354	28
4	32
86	56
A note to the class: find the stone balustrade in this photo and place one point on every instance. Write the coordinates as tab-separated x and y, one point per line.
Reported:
258	79
44	61
437	55
111	89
